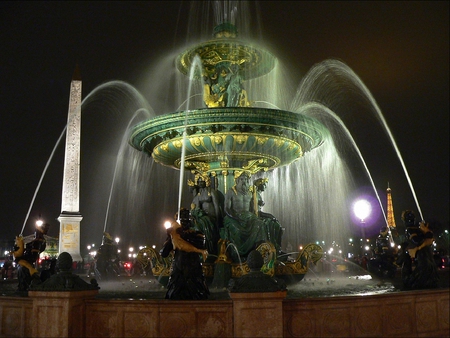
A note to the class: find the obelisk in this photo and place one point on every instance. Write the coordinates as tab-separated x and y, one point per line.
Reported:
70	218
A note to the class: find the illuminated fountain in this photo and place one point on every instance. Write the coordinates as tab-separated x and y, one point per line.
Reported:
235	113
227	139
229	135
298	147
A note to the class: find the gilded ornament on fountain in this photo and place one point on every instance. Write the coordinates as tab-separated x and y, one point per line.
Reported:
229	134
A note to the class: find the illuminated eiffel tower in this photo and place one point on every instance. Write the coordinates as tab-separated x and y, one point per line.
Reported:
390	209
394	235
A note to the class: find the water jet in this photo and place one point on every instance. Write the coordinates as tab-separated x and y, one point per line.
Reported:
230	138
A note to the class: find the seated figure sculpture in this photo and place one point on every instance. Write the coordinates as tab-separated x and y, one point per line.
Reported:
242	226
206	210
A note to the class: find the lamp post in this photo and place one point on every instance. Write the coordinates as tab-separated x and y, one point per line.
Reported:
362	209
130	250
167	224
117	240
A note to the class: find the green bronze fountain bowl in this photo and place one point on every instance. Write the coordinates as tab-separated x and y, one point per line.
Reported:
224	139
251	60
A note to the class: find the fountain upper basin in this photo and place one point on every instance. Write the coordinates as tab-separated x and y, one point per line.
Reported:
230	138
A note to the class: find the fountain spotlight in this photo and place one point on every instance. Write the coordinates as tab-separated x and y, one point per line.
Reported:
362	209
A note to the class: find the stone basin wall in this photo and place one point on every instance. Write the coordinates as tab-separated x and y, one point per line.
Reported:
71	314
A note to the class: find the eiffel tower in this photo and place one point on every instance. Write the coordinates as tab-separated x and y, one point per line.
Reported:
390	209
390	214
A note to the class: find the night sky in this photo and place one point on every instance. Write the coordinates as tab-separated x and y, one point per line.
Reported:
400	50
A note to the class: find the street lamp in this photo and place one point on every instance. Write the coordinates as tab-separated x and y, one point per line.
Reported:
362	209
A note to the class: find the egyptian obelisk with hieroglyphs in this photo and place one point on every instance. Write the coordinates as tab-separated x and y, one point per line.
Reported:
70	218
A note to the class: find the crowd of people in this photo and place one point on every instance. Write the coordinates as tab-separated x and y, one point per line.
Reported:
8	270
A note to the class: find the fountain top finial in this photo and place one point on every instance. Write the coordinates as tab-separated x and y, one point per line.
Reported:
225	30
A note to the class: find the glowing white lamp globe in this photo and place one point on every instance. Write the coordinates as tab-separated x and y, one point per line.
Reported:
362	209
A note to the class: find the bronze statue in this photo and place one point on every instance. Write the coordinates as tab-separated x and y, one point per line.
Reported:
207	212
420	238
187	280
64	279
27	255
242	226
382	264
107	260
425	275
224	87
256	280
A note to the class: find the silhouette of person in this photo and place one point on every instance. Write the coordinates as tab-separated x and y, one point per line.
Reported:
187	280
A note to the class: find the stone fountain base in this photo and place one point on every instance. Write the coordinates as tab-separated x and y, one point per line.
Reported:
390	313
407	314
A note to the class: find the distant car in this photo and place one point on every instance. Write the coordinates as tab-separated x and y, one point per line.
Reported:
445	261
128	266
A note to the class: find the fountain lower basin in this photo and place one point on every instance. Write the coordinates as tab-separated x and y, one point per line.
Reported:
387	312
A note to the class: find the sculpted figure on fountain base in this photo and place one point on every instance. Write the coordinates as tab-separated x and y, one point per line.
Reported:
242	225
